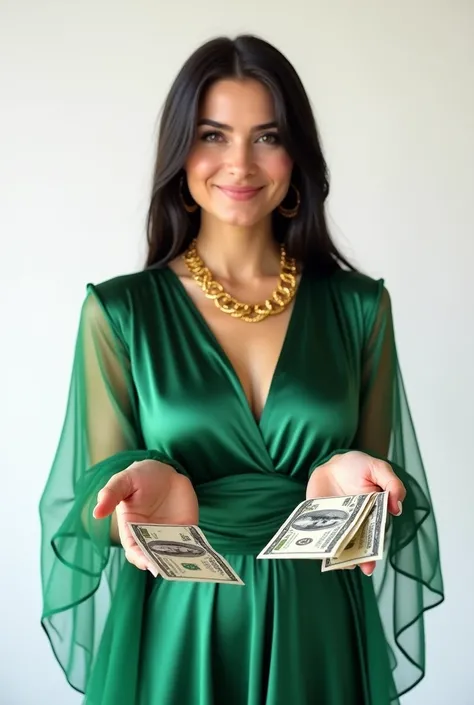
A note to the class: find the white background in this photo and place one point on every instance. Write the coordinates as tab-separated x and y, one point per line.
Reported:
81	85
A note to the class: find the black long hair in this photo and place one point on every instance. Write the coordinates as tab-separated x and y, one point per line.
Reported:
170	228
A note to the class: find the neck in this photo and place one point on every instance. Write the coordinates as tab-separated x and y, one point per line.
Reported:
238	254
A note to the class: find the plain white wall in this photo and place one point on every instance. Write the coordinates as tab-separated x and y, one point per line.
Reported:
81	88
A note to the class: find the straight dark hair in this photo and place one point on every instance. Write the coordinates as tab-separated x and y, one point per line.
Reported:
170	228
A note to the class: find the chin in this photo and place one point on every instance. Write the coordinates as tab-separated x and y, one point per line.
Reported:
241	220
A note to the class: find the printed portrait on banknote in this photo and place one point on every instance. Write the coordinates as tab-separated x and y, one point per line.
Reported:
320	519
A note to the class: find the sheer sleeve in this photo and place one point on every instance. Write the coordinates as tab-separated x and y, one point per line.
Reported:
100	436
409	581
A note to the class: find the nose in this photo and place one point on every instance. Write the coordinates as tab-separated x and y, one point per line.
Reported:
240	160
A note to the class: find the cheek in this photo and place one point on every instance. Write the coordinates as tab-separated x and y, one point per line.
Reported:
201	165
278	166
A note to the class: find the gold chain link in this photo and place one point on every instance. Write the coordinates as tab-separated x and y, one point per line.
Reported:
250	313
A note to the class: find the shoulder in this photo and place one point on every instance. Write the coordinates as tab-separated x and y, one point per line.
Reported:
122	298
125	286
358	284
128	290
361	297
359	287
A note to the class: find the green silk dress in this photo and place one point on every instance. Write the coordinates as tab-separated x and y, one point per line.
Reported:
150	380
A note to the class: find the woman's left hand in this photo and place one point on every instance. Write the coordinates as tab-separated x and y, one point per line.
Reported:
357	473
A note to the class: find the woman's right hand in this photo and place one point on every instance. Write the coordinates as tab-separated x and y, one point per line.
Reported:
147	492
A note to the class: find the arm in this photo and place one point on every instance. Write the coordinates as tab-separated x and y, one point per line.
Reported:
385	453
107	402
99	437
80	571
345	470
410	580
378	374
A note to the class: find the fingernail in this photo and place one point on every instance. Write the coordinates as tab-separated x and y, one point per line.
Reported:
153	570
400	508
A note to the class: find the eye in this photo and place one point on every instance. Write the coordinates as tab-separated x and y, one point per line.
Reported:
212	136
270	138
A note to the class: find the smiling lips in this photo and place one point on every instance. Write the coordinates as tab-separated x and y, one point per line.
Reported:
240	193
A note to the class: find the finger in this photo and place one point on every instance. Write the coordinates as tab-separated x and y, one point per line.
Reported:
153	570
367	568
133	552
383	476
117	489
139	560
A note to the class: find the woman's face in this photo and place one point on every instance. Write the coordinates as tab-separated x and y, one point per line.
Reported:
237	170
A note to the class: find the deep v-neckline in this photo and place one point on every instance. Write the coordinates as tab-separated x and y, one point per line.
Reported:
224	357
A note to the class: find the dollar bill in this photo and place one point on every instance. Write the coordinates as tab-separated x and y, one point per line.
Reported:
358	523
368	542
182	553
319	528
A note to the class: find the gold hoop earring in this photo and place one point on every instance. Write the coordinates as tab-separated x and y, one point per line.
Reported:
189	209
291	212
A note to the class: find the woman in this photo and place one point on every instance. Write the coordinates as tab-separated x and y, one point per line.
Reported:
199	396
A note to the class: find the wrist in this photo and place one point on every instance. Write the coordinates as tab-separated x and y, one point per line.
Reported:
163	459
326	459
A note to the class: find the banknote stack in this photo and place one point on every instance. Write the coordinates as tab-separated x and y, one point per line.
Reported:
342	532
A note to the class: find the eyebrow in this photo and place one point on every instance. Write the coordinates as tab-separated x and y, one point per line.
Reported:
222	126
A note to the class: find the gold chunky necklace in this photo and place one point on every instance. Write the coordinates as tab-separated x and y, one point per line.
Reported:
250	313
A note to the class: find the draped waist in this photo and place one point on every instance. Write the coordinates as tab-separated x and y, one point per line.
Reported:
239	514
